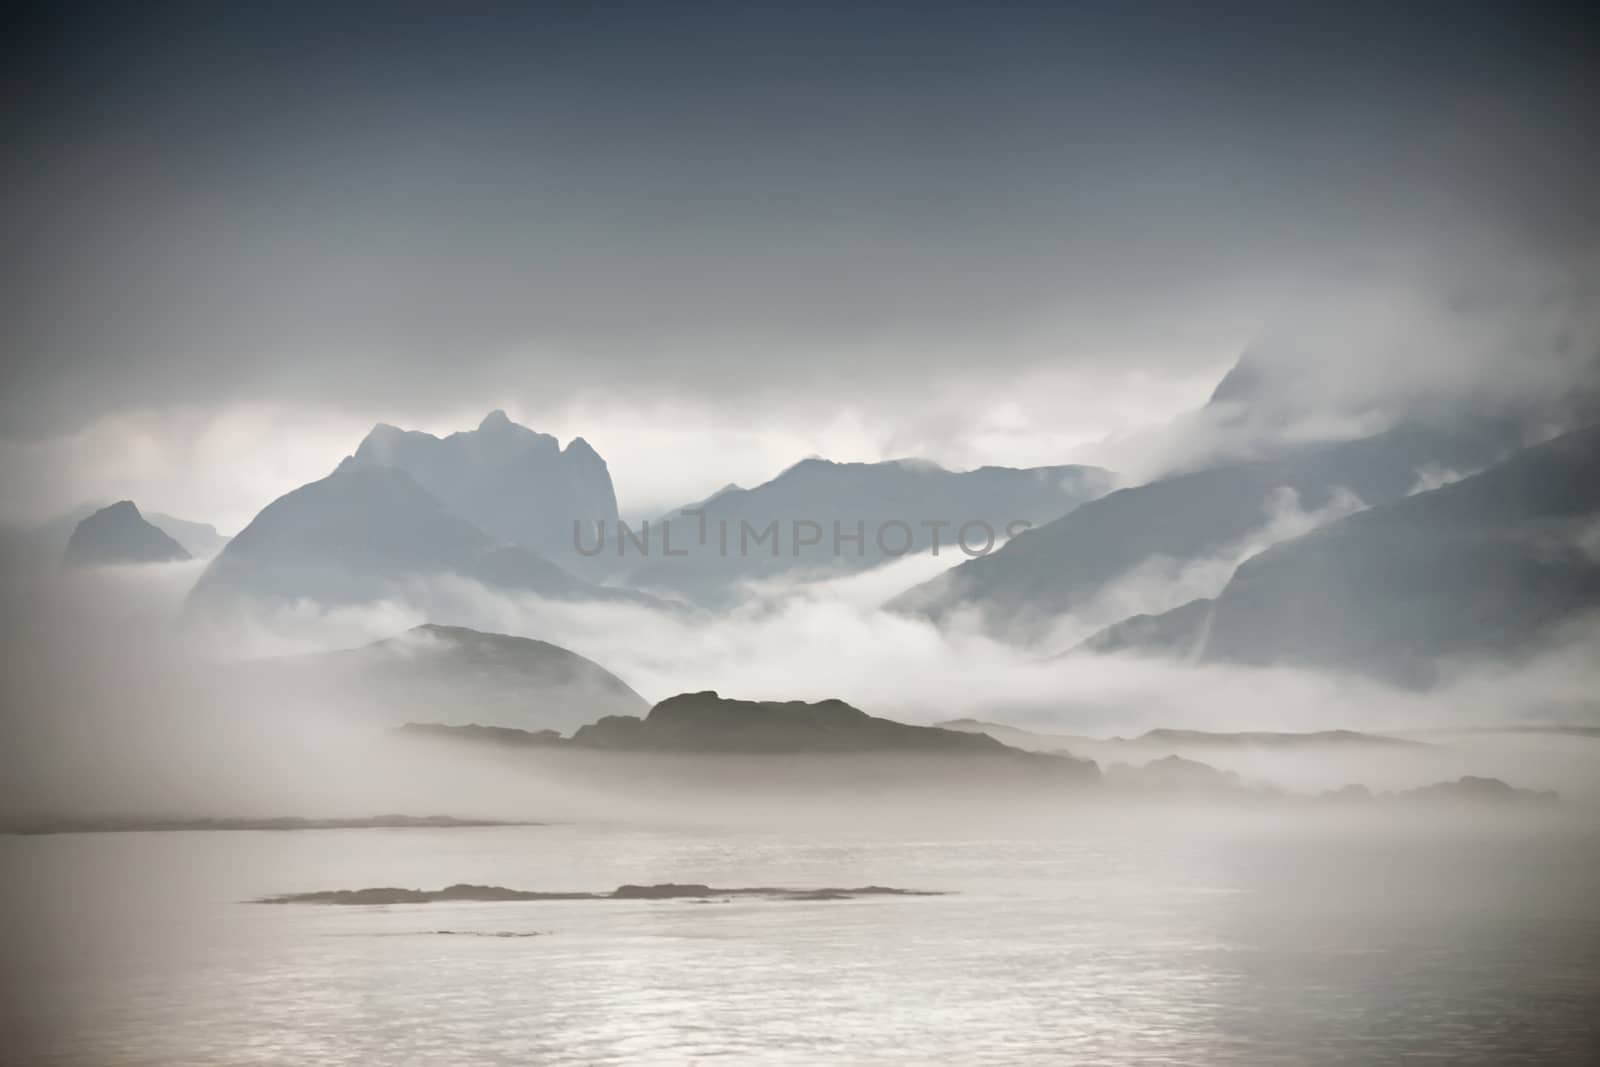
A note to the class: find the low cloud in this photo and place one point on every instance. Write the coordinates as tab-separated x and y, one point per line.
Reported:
109	702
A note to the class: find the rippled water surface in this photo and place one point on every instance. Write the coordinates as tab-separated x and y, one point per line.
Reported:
1151	940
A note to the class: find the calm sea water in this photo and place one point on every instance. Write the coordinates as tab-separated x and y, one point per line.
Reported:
1148	939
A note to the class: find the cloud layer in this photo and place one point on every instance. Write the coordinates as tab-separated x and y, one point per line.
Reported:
920	229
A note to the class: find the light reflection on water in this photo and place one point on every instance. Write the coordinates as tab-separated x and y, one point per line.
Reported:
1163	942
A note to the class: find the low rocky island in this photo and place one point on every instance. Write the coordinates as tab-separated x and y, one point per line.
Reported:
700	738
658	891
708	722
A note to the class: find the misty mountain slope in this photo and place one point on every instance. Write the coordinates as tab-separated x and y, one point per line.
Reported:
201	539
119	534
1174	634
1065	565
360	534
509	481
823	492
455	675
1252	380
1486	565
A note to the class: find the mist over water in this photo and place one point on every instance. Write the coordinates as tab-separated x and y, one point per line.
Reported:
1256	347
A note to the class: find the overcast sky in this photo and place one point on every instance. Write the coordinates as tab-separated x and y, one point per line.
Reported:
715	238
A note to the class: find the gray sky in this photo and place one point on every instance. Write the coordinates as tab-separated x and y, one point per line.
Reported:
715	238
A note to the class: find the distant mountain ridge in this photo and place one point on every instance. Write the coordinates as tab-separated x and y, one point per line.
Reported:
200	539
861	498
1172	741
498	505
1064	565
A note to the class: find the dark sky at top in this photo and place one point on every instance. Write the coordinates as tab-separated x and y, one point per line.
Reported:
386	206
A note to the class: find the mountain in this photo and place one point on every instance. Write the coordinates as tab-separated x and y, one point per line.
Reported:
119	534
1172	634
455	676
805	503
708	723
201	539
1252	382
509	481
1209	515
363	533
1485	565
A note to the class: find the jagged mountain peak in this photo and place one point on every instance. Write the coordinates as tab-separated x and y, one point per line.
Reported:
511	481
